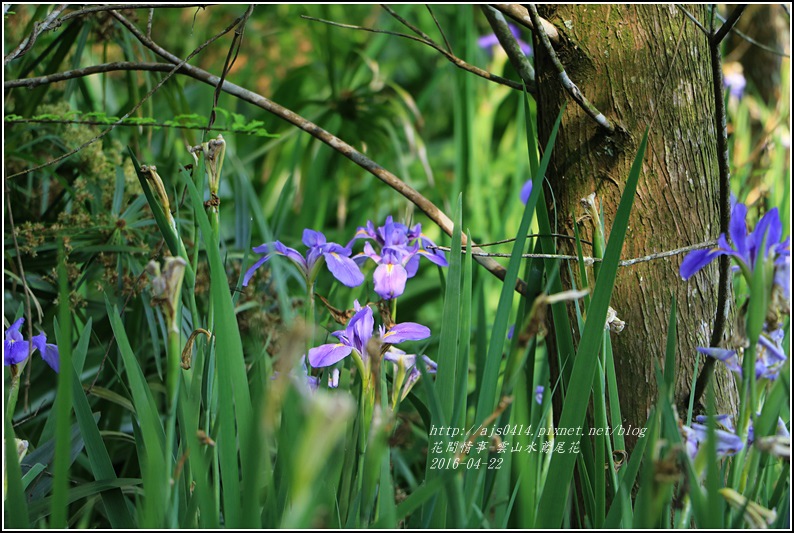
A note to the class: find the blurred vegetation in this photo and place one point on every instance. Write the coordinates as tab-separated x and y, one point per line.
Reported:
440	129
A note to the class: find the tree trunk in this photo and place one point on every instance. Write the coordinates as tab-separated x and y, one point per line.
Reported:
624	59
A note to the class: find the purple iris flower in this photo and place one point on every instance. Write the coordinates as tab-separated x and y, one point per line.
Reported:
725	422
391	275
335	256
721	422
727	442
398	260
357	335
301	378
735	82
539	394
333	379
486	42
526	190
783	272
729	357
408	362
770	356
16	349
747	247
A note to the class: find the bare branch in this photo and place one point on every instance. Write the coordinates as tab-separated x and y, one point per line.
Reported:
86	71
149	23
669	253
752	41
512	239
97	9
411	194
520	14
731	21
567	83
407	24
691	17
517	58
591	260
438	25
231	58
38	28
178	63
458	62
723	161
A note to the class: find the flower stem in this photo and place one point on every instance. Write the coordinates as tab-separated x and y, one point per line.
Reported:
397	385
13	392
309	324
174	357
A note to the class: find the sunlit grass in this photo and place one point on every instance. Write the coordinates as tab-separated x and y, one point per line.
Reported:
145	429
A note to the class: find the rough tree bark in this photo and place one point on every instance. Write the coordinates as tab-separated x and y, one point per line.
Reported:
623	59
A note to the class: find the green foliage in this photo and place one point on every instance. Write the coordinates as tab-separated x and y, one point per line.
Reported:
234	123
236	439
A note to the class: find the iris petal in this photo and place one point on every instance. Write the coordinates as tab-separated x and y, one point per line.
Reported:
738	228
264	248
696	260
727	443
390	280
487	41
432	366
766	228
724	421
344	269
292	254
526	191
436	256
313	238
359	329
729	357
49	352
397	356
410	381
52	357
14	352
369	251
15	349
250	272
328	354
12	332
775	350
539	394
412	266
407	331
775	228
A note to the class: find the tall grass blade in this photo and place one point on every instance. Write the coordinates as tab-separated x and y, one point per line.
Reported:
63	398
15	508
234	398
172	240
152	452
98	457
448	346
488	396
561	467
669	359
